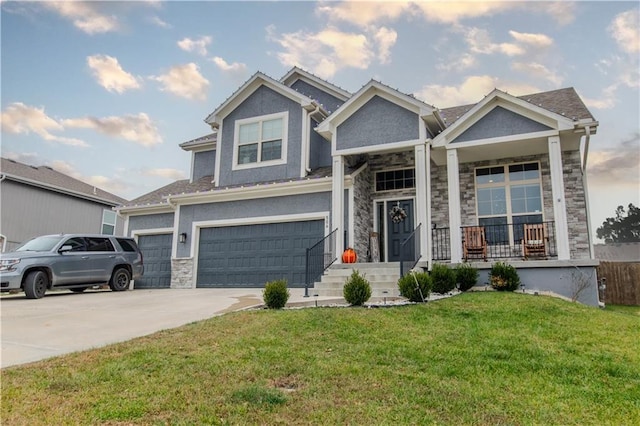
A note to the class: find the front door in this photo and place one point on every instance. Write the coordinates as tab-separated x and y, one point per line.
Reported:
396	231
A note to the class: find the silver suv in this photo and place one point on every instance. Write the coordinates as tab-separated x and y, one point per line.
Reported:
72	261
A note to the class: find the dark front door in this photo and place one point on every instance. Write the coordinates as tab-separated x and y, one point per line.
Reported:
398	232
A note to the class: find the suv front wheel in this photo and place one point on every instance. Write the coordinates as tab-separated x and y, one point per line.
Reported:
120	280
35	285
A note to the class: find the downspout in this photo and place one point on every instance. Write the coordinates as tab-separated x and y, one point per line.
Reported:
587	131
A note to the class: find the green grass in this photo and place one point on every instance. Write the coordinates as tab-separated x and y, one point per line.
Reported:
478	358
624	309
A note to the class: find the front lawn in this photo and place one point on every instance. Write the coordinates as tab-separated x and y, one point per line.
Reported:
478	358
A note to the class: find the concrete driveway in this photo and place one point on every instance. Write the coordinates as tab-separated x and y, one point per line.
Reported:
64	322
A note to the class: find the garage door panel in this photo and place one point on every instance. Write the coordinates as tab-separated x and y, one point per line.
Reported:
156	250
251	255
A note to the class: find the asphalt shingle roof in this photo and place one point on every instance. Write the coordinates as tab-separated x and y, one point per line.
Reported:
565	102
47	177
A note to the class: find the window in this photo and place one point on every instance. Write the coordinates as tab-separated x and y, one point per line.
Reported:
508	195
261	141
127	244
395	179
108	222
99	244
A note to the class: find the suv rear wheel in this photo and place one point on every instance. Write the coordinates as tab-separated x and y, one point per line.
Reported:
35	285
120	280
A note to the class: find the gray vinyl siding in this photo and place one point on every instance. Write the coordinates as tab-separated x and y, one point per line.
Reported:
377	122
286	205
319	149
500	122
329	102
262	102
151	221
204	164
27	212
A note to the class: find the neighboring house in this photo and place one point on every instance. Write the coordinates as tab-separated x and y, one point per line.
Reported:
294	160
618	252
40	200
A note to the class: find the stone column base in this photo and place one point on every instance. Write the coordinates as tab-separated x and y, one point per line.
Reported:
182	273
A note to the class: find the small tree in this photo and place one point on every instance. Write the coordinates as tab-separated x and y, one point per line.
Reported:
357	289
415	287
624	228
275	294
443	277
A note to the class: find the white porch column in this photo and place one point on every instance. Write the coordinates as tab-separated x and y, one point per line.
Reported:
337	204
559	203
453	186
422	194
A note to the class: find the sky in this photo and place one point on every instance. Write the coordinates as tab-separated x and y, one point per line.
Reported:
105	91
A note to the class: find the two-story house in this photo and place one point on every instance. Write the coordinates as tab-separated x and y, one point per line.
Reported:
298	162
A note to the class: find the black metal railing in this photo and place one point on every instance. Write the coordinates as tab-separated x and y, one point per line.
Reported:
410	251
507	240
440	244
319	257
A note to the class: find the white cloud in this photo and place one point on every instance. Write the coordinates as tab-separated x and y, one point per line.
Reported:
386	39
184	81
174	174
606	101
85	15
31	158
113	185
458	63
135	128
471	91
330	50
365	14
110	74
537	70
19	118
155	20
538	41
198	46
234	68
625	30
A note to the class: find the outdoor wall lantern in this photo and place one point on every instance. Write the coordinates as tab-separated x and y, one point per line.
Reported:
182	238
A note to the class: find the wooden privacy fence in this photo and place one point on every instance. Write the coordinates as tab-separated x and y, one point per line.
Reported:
623	282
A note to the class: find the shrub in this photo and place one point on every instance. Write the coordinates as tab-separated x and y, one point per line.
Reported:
408	289
466	276
276	294
357	289
504	277
444	278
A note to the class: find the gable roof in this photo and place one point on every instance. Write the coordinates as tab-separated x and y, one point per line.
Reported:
299	74
618	252
201	142
366	92
48	178
258	79
565	102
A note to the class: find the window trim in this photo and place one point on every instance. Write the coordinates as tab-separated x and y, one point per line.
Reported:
375	180
104	222
284	115
507	184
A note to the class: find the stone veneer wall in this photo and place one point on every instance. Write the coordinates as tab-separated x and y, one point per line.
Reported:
363	213
574	193
439	196
182	273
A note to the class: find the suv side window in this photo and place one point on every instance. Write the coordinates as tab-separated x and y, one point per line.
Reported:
127	244
77	244
99	244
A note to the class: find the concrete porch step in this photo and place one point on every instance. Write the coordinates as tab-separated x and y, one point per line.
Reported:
383	278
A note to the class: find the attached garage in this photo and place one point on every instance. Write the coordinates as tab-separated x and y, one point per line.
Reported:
156	250
251	255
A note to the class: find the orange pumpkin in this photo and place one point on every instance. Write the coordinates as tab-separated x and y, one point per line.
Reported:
349	256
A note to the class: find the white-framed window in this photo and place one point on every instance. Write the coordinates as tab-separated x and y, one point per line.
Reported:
260	141
108	222
508	195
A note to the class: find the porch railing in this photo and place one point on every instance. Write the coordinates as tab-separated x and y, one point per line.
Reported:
319	257
440	244
504	241
410	251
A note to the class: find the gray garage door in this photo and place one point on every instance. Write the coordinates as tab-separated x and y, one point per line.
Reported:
251	255
156	250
